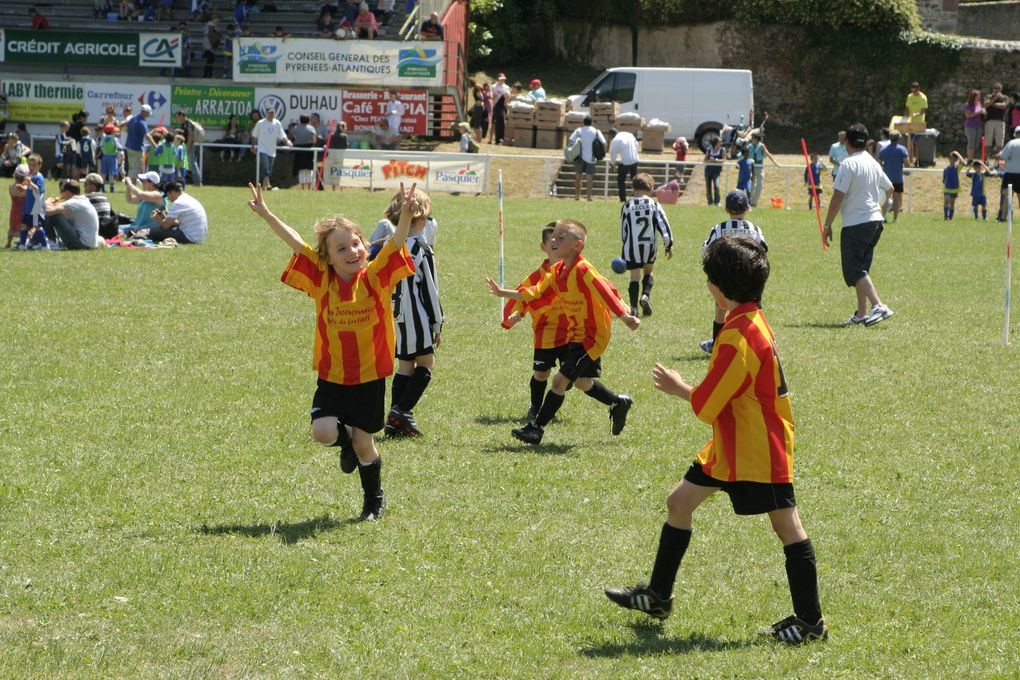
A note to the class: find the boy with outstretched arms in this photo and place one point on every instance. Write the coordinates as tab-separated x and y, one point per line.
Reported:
737	225
587	298
354	334
745	398
641	218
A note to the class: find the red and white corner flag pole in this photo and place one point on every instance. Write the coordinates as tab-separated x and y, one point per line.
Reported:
814	191
1009	261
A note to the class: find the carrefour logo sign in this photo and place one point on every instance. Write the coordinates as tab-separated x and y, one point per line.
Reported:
160	49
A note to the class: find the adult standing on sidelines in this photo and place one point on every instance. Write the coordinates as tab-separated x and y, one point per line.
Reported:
624	145
585	163
916	106
500	101
838	152
1011	173
859	192
264	136
995	105
186	124
758	152
395	110
137	128
893	156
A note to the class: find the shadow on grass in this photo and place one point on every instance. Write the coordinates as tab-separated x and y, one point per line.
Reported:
289	533
500	420
648	639
540	449
700	357
817	324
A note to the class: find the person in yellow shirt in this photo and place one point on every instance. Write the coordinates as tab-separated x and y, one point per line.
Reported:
587	298
745	398
917	106
355	339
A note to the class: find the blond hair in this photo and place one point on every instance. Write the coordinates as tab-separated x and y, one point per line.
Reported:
423	210
574	227
327	225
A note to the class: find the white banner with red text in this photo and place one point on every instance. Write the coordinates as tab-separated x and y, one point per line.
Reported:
449	173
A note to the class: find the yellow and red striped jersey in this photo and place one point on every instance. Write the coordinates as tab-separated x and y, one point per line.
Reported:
745	398
548	322
354	336
586	298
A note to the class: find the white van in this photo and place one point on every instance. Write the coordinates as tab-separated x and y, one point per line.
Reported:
696	102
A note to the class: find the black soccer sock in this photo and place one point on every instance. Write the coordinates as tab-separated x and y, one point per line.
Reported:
371	477
716	327
600	392
632	293
397	387
646	285
673	544
802	573
342	436
416	385
537	392
549	408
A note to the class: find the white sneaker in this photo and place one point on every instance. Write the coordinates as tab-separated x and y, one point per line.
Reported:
707	345
878	313
855	320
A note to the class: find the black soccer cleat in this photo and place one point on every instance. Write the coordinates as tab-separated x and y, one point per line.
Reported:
794	631
646	305
348	459
530	433
403	421
618	412
390	431
643	599
373	508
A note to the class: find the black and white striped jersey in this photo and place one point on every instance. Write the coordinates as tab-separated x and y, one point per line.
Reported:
733	227
640	220
416	309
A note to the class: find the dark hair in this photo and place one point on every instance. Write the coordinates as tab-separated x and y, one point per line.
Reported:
304	120
71	186
547	231
172	186
587	120
643	182
612	132
738	266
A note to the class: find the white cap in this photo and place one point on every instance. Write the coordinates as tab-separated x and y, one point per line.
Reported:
146	108
1016	131
151	176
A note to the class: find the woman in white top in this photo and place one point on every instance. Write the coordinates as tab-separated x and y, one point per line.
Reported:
395	110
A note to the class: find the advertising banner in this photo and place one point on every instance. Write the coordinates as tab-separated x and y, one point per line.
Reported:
118	95
43	101
90	48
292	103
212	105
350	169
388	63
362	110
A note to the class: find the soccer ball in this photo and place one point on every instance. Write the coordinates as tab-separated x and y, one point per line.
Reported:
618	265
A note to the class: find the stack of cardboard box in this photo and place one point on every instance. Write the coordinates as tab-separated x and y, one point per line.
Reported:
654	138
522	121
549	115
603	114
631	124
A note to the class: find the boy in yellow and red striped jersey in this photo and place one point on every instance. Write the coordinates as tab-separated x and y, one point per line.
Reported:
750	456
354	334
586	298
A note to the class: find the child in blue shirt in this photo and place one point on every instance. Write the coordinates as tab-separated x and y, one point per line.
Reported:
111	151
815	168
32	235
977	176
951	185
744	168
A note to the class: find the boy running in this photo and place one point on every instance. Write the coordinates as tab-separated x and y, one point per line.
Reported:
640	219
587	298
736	225
750	456
354	336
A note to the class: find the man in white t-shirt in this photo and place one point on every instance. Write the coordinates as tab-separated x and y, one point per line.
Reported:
859	192
185	221
1010	154
73	218
264	137
585	163
624	145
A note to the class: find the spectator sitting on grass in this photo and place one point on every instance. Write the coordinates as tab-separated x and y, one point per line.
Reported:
73	219
185	221
147	197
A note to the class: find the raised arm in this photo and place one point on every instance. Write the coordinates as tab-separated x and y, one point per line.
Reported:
286	234
407	209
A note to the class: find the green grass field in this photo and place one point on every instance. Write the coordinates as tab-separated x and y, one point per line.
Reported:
166	513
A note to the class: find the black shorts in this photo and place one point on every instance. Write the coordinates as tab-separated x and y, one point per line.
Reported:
897	187
639	265
545	359
362	406
857	249
747	498
575	362
424	353
1011	179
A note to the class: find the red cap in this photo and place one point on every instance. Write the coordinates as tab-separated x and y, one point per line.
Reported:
109	128
536	83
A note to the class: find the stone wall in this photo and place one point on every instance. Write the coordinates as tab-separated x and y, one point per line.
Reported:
814	89
996	20
939	15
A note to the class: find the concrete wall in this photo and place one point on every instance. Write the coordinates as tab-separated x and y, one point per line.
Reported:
939	15
995	20
794	83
